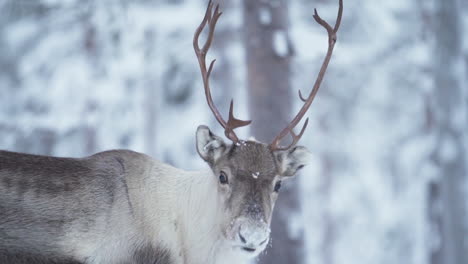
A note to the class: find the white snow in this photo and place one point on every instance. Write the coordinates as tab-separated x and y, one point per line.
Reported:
58	2
255	175
448	150
280	43
264	15
241	143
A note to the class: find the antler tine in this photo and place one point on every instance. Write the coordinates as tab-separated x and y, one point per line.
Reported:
302	97
297	137
308	101
211	18
234	123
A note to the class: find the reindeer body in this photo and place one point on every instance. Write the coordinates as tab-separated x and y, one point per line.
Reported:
113	207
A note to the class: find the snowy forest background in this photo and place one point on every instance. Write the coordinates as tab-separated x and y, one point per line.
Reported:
388	181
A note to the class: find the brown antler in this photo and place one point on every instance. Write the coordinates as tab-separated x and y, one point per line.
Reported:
308	101
211	18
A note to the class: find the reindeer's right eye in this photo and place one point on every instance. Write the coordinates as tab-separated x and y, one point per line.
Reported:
277	186
223	179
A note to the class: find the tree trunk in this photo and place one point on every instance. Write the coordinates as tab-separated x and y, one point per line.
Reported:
447	195
268	54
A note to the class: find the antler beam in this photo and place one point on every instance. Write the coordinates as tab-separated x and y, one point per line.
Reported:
275	145
211	18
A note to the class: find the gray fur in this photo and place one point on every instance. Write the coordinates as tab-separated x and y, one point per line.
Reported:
41	198
24	258
150	255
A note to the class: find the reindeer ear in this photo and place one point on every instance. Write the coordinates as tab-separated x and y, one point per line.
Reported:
209	146
291	160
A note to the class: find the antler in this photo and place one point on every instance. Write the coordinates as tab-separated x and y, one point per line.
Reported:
211	18
308	101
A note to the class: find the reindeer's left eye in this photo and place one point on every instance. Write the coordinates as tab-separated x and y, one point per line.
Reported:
223	179
277	186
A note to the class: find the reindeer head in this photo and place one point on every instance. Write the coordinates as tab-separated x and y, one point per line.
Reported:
249	173
249	178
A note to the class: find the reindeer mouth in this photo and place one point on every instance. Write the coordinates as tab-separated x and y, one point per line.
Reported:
249	249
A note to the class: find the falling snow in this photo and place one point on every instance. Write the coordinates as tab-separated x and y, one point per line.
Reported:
280	43
241	143
264	15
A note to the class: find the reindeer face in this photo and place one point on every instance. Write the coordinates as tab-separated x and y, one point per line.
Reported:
248	176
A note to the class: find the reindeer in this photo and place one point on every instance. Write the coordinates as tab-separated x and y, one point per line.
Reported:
121	206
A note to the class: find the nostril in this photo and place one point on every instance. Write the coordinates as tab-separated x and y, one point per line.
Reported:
242	238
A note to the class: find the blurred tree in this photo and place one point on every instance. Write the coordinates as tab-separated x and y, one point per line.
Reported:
447	206
268	54
150	86
39	140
